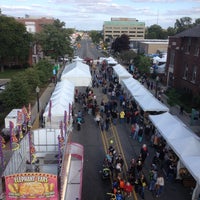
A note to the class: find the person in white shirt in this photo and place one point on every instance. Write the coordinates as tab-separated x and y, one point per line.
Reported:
160	182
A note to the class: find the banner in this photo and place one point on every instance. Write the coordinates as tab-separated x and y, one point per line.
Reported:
24	186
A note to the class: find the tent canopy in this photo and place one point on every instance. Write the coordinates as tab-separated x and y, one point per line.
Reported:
78	73
61	98
143	97
149	103
181	139
111	61
160	69
121	72
77	58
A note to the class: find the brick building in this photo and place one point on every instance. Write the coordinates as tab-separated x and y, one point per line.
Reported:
34	25
183	61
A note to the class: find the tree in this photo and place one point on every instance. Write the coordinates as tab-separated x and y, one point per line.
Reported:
183	24
143	63
127	56
16	95
156	32
44	70
197	22
15	42
171	31
55	40
96	36
121	43
31	77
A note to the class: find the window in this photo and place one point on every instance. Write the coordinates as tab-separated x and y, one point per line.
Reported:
171	61
194	74
188	46
196	50
185	75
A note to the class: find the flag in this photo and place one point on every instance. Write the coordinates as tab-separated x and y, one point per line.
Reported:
65	122
29	111
49	113
19	117
61	128
25	113
11	126
1	151
70	111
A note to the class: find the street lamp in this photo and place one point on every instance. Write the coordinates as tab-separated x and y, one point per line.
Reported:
38	101
157	80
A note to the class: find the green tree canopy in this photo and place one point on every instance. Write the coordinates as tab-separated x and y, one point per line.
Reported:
183	24
127	57
121	43
55	40
96	36
20	90
16	95
155	32
143	63
44	70
15	41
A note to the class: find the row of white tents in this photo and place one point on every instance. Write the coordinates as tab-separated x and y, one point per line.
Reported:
74	75
179	137
175	132
59	109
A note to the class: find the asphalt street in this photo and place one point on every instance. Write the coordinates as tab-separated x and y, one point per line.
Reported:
94	188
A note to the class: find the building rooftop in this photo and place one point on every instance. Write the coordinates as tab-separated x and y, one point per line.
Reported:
123	23
192	32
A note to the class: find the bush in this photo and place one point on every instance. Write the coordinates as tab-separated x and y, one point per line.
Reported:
183	98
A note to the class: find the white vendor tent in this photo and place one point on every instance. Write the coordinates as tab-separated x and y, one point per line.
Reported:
139	90
60	100
78	73
130	83
121	72
142	96
149	103
77	58
111	61
160	69
183	142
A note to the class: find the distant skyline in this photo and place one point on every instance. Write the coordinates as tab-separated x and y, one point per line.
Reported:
91	14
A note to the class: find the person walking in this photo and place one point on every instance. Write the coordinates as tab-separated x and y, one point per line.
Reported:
142	185
159	184
152	179
121	116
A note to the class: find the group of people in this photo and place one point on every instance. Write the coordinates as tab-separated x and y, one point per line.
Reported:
120	109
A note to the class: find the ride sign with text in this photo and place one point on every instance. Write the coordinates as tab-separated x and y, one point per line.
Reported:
31	186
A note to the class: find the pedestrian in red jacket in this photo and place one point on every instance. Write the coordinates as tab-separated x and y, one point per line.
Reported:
128	189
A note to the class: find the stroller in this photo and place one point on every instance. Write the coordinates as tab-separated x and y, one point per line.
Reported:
107	169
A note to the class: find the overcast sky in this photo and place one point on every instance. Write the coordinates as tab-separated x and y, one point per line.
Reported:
90	14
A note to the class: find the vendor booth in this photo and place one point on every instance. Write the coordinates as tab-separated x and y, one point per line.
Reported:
184	143
58	108
121	72
78	73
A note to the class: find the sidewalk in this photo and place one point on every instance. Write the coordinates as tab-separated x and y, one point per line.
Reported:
43	101
175	110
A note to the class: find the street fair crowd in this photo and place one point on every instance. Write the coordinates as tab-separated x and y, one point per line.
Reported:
120	109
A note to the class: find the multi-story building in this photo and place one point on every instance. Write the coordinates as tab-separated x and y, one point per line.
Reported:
35	25
183	61
153	46
129	26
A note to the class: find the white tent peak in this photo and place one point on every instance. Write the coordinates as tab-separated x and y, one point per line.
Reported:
78	73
